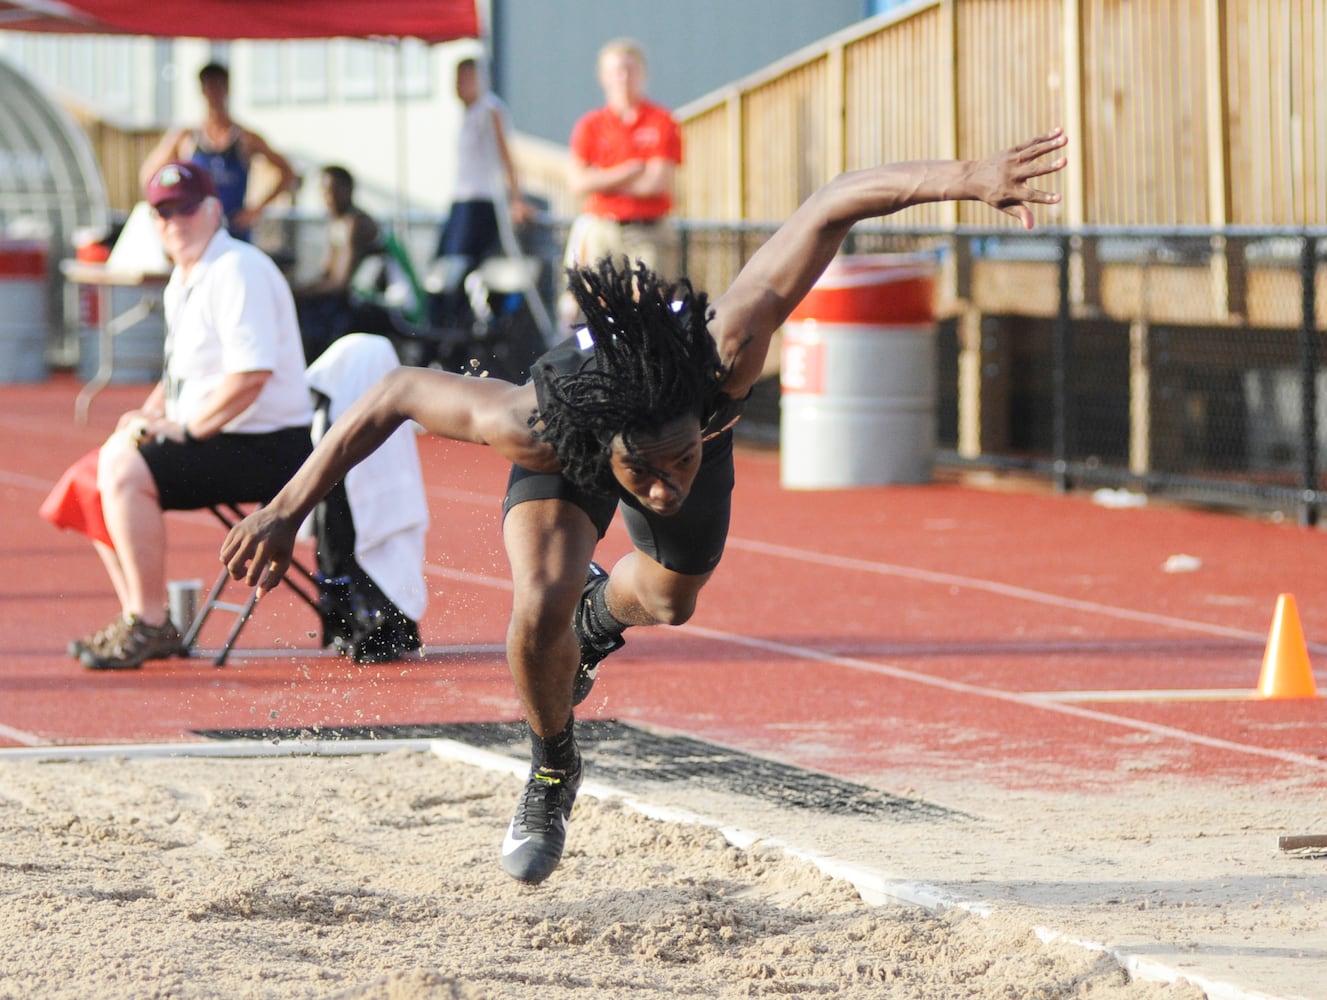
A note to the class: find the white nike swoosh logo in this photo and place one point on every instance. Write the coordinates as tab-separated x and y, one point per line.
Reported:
512	843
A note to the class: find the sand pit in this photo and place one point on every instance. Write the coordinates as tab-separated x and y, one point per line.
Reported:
376	877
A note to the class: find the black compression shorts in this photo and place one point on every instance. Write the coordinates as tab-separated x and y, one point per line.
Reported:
690	541
225	468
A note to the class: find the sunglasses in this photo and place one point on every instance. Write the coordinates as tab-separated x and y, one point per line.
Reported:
168	212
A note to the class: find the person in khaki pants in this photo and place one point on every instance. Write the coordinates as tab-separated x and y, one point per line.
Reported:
623	158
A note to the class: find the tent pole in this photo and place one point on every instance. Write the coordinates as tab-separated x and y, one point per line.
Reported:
507	235
402	166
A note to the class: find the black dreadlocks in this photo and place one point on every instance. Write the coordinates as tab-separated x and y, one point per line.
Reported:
655	361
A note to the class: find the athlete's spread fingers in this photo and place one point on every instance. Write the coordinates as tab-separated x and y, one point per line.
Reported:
1038	168
1036	148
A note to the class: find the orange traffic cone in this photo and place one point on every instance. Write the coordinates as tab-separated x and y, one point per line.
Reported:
1285	666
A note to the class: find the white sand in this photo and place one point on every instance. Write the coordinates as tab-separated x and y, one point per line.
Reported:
377	876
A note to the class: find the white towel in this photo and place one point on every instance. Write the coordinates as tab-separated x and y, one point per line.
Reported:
385	490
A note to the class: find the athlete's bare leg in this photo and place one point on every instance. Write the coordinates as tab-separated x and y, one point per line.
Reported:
549	545
641	592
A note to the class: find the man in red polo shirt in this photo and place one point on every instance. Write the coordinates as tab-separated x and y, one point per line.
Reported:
623	157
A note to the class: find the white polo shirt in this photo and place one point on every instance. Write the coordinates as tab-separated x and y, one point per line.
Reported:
235	314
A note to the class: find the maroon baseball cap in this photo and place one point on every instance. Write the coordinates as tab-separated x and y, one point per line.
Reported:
186	183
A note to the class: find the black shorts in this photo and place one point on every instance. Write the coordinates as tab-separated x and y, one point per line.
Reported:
690	541
225	468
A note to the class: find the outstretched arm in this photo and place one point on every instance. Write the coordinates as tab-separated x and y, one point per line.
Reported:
782	271
169	147
484	411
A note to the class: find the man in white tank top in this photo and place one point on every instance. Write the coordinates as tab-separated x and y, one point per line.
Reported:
225	150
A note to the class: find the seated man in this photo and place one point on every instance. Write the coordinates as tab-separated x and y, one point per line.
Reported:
228	422
323	305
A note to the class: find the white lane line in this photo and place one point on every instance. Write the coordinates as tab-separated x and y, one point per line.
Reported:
1150	694
462	576
215	748
31	425
21	736
943	579
25	482
1050	701
329	653
1013	697
466	496
836	562
992	587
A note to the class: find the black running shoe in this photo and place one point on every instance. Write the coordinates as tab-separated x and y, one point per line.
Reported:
593	648
537	833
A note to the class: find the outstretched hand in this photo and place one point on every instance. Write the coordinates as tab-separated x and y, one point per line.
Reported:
258	550
1001	180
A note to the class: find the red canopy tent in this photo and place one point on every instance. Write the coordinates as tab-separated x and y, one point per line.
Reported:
427	20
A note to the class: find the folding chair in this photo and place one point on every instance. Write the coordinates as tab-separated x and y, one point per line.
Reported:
230	515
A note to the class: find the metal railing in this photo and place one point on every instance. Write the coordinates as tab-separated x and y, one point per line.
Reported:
1178	362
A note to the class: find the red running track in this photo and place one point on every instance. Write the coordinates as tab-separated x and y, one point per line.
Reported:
881	635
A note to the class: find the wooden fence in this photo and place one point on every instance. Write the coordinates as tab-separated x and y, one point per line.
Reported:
1181	112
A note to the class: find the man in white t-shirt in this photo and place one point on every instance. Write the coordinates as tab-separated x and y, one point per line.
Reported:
228	422
485	179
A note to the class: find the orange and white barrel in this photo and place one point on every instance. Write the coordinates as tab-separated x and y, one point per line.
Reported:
23	312
858	376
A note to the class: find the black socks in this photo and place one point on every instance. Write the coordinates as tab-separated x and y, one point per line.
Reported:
557	753
602	628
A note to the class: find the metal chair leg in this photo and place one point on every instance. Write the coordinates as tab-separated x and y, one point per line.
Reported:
229	515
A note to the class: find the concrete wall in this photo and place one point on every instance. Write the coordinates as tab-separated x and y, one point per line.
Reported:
544	53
